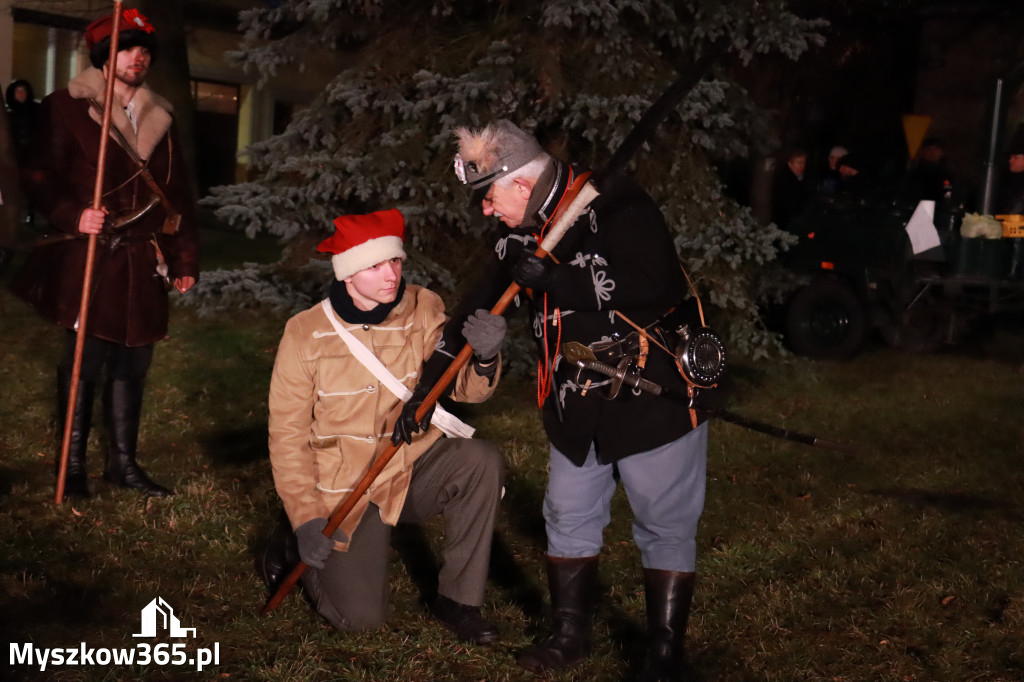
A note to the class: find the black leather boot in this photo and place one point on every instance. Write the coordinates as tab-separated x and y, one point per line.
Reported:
122	407
76	478
573	585
669	594
464	620
279	555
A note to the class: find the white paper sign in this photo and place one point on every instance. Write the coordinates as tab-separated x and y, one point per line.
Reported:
921	228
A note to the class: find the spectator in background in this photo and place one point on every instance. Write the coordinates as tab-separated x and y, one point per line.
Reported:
24	115
1010	197
9	193
1010	201
829	183
928	176
852	178
789	190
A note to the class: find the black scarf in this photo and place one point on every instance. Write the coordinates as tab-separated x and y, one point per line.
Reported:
346	308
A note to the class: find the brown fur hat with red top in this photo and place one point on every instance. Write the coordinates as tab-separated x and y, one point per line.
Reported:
134	30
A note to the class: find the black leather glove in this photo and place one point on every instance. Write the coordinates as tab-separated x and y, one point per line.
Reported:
484	332
406	425
314	546
532	272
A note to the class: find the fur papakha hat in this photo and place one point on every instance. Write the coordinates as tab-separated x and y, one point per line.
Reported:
362	241
134	30
491	153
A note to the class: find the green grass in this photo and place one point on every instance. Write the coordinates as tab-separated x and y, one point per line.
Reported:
899	562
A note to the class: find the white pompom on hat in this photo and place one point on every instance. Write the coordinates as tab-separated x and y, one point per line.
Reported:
362	241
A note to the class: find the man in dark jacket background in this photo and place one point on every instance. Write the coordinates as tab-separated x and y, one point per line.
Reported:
146	240
615	267
790	188
24	116
10	194
1010	197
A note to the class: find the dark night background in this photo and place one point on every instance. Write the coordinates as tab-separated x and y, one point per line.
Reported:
886	59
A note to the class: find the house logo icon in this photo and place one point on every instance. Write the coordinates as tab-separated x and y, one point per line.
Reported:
159	613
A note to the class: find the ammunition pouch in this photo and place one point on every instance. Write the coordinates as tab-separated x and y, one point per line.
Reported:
700	356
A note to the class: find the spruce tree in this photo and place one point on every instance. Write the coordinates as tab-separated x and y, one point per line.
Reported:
578	73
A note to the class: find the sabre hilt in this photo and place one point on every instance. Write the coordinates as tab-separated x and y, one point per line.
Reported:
624	373
584	358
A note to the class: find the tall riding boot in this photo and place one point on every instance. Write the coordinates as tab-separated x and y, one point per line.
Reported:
122	407
669	594
76	478
573	585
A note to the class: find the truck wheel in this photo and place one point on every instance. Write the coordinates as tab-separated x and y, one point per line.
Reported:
826	320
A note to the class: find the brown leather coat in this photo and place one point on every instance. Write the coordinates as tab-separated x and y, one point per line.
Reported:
128	302
330	416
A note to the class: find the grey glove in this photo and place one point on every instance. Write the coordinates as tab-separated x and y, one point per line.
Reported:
484	332
314	546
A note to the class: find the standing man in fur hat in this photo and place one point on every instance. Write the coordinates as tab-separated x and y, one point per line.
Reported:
146	240
615	267
342	372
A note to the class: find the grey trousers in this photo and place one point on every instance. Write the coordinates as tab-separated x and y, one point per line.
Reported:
665	488
460	479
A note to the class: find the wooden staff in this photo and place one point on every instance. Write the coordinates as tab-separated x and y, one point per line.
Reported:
90	256
584	192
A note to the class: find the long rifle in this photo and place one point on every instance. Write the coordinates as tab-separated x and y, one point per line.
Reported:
584	190
90	257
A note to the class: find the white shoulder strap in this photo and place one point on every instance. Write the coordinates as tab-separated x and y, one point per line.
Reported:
445	420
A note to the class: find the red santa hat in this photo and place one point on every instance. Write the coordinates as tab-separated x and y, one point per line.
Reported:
362	241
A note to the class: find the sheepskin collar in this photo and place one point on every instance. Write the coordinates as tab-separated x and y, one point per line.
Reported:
153	112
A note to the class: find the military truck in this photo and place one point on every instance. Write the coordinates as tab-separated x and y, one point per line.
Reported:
856	273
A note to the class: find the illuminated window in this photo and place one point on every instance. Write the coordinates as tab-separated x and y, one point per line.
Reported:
216	98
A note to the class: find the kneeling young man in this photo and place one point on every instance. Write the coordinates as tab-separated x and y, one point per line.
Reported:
331	411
